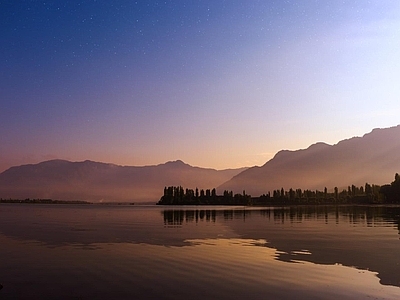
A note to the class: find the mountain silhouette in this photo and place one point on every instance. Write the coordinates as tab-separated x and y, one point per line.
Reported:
95	181
373	158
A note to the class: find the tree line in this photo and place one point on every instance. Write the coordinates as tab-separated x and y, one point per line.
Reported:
176	195
43	201
367	194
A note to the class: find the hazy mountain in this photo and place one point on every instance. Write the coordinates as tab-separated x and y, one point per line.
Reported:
373	158
94	181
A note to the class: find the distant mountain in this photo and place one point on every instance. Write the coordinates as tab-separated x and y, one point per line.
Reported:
95	181
373	158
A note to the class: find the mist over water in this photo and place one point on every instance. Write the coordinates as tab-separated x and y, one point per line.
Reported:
104	252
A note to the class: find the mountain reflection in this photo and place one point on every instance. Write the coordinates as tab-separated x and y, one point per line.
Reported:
365	237
356	236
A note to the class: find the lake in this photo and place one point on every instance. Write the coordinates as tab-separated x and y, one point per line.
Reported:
153	252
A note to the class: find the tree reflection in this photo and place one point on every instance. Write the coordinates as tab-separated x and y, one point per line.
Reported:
178	217
293	214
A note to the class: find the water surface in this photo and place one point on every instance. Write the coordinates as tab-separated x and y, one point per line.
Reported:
122	252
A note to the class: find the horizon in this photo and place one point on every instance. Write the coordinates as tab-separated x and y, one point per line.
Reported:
219	85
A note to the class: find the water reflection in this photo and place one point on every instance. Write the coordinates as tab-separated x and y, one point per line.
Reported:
365	237
369	215
232	268
178	217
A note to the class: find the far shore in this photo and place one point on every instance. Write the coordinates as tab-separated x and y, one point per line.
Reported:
181	206
51	201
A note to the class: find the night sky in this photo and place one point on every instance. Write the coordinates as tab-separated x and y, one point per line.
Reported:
216	84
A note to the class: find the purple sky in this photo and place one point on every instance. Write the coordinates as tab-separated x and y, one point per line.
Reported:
215	83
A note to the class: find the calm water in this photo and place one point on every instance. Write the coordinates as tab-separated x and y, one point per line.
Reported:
133	252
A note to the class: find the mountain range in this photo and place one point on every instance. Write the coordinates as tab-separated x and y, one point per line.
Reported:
373	158
102	182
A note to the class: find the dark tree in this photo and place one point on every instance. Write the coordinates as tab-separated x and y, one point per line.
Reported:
391	191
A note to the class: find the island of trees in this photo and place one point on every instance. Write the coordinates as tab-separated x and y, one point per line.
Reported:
367	194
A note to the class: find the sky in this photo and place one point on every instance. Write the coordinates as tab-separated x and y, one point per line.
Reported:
217	84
